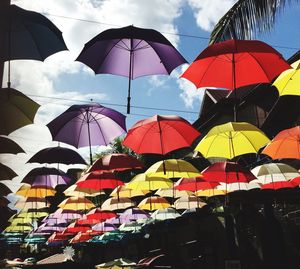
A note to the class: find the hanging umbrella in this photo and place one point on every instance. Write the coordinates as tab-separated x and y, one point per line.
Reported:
4	190
278	185
96	215
172	193
227	172
27	190
17	110
123	191
232	139
75	228
66	214
76	203
104	227
99	181
76	191
116	162
273	172
210	192
57	155
130	227
31	214
46	176
284	145
235	63
288	81
6	173
153	203
9	146
120	263
172	168
239	186
142	182
160	135
164	214
115	203
131	52
188	202
31	203
87	125
133	214
194	184
80	238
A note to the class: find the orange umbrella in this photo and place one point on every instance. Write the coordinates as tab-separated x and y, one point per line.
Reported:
285	144
76	203
154	203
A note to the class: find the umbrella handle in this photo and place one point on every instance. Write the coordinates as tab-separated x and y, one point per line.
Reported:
128	104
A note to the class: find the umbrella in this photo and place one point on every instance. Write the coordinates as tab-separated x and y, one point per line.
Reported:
273	172
172	168
57	155
130	227
31	203
87	125
164	214
76	203
131	52
30	214
188	202
278	185
232	139
27	190
66	214
4	190
210	192
116	162
239	186
16	109
80	237
75	228
153	203
9	146
194	184
227	172
142	182
6	173
104	227
120	263
76	191
123	191
99	181
172	193
46	176
96	215
288	81
160	135
133	214
284	145
115	203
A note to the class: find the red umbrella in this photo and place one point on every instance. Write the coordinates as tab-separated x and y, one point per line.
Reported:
99	181
278	185
227	172
96	215
76	228
235	63
116	162
194	184
160	135
80	237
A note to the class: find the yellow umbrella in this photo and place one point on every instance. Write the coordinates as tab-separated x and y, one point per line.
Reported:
18	228
27	190
16	221
29	215
31	203
173	193
142	182
76	191
232	139
172	168
76	203
288	81
125	192
154	203
210	192
188	202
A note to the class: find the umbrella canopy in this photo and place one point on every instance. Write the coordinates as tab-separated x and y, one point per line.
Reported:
232	139
57	155
104	227
160	135
4	190
96	215
115	203
173	193
9	146
239	186
46	176
142	182
31	214
116	162
227	172
123	191
210	192
273	172
6	173
27	190
284	145
188	202
31	203
120	263
131	52
99	181
288	81
194	184
235	63
87	125
130	226
153	203
80	237
66	214
164	214
278	185
132	214
76	203
76	191
28	35
172	168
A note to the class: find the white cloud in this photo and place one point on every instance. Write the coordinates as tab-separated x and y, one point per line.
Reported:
208	12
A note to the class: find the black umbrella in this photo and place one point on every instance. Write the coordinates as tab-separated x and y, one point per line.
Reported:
9	146
6	173
57	155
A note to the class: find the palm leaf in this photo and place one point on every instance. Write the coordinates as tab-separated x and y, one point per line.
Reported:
246	18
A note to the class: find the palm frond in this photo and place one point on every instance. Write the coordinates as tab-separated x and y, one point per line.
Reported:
247	18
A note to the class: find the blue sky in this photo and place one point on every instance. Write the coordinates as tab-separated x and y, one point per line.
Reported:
70	82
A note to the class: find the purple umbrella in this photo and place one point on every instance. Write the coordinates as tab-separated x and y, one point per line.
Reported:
104	227
133	214
46	176
64	215
131	52
87	125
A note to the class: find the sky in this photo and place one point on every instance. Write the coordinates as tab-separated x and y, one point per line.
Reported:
60	81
